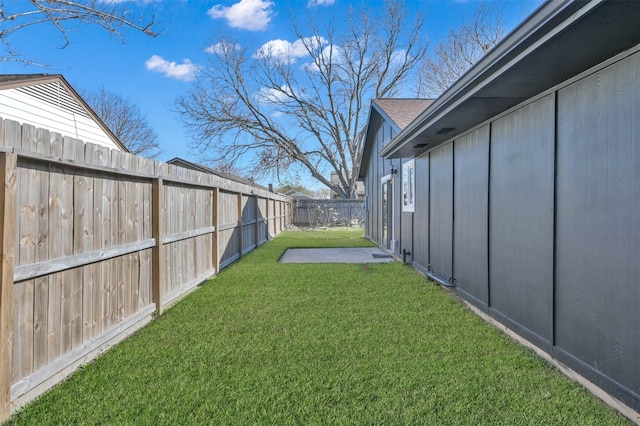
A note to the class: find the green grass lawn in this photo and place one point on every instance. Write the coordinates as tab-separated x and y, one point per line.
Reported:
268	343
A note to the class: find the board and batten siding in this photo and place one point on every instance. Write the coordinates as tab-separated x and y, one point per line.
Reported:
421	235
402	222
535	214
470	233
521	218
598	226
441	212
20	106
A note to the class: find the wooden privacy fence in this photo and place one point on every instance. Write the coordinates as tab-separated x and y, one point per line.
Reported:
317	213
94	241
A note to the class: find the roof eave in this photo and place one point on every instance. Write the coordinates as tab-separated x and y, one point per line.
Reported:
491	86
366	150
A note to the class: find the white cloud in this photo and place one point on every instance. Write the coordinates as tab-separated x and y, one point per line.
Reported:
286	51
252	15
331	54
398	57
269	95
185	71
222	47
314	3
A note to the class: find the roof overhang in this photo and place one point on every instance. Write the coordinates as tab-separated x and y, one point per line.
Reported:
558	41
410	107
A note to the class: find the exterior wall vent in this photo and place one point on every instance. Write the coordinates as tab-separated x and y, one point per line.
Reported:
56	95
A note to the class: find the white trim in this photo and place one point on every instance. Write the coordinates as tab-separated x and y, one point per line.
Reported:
409	186
391	237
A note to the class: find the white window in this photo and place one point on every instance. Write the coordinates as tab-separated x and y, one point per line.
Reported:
408	186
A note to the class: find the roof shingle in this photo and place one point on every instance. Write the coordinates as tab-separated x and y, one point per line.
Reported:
402	111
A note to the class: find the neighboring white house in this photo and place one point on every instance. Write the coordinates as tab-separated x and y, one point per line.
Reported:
48	101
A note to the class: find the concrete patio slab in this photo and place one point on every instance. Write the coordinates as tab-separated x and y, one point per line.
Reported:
335	255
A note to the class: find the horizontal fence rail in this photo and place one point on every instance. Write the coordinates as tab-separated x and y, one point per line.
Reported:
327	213
95	241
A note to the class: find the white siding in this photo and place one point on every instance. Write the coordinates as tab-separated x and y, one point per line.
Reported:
23	107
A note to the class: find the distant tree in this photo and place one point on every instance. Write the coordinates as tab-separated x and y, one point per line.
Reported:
111	15
322	193
303	103
126	121
462	48
296	187
225	167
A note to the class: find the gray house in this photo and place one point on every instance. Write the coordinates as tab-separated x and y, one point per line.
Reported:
384	218
519	187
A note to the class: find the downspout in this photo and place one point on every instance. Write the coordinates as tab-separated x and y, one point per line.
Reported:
405	253
446	282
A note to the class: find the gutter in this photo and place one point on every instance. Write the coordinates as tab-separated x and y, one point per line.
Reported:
493	64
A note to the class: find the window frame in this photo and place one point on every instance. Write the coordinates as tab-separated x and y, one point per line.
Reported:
409	186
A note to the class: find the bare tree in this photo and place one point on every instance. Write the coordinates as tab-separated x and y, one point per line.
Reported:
463	47
302	104
110	15
126	121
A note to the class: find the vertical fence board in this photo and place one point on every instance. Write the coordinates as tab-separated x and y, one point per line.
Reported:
82	241
240	224
138	233
98	155
41	287
216	232
8	190
207	213
266	218
132	234
146	278
118	160
12	134
157	203
192	208
56	211
107	201
66	246
79	198
28	236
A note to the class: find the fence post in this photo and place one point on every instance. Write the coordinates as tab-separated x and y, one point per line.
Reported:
240	222
8	189
257	217
266	213
157	203
216	226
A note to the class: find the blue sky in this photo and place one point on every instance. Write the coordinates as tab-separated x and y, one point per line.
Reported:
152	73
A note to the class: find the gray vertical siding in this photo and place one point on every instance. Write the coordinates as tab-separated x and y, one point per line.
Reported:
441	212
397	204
598	222
420	253
521	217
471	190
537	217
378	168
